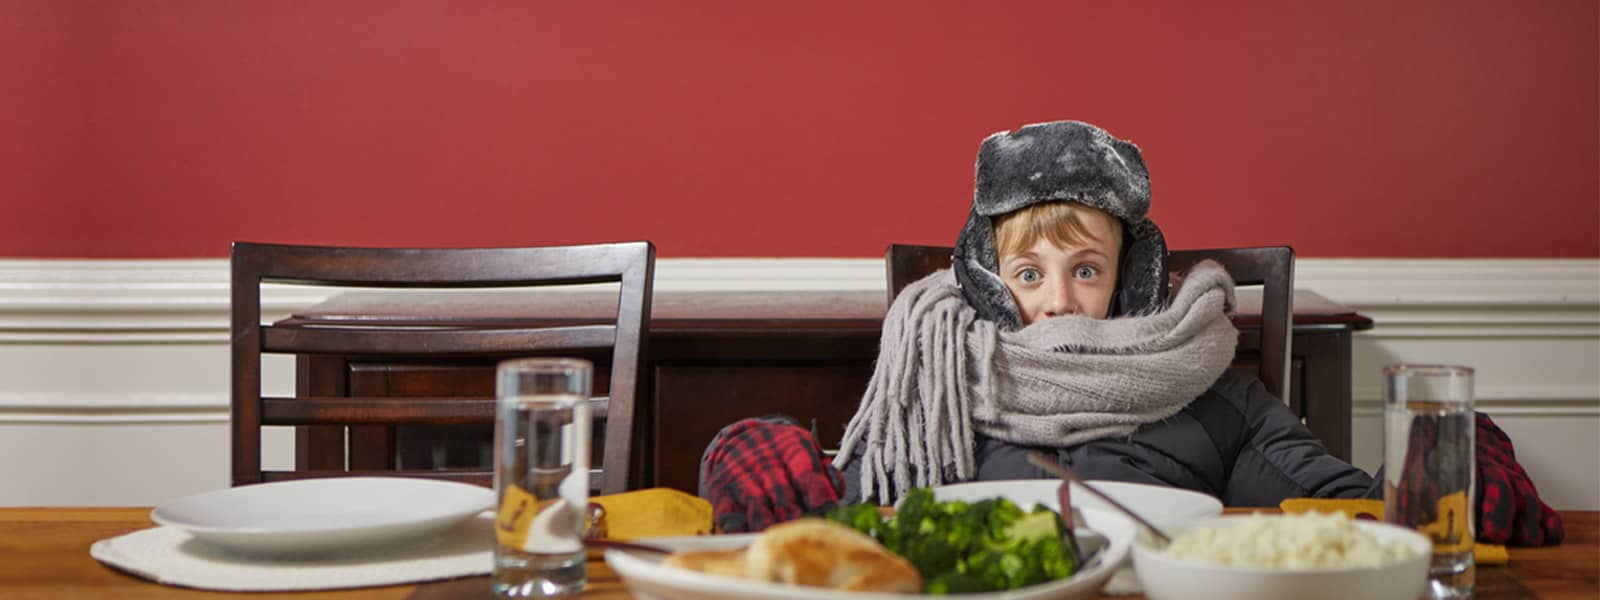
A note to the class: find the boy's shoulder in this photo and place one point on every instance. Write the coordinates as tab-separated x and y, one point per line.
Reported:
1236	385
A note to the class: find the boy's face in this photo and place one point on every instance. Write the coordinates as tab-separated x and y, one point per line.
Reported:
1047	280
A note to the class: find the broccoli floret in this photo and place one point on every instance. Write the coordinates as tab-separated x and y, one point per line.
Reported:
1054	557
954	583
861	517
890	533
917	505
1002	514
932	555
1023	564
1037	537
986	568
1033	526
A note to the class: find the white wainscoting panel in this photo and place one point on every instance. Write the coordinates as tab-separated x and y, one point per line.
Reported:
114	373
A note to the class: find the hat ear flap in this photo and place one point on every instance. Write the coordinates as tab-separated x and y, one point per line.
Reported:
976	263
1142	278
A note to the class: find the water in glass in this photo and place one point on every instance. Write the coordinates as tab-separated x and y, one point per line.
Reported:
542	476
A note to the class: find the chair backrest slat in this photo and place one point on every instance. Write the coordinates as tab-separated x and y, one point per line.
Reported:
345	410
437	267
376	411
374	341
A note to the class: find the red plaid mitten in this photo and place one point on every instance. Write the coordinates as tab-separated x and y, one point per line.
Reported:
1509	508
760	472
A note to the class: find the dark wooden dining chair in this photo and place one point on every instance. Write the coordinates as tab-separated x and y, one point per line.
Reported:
628	265
1270	267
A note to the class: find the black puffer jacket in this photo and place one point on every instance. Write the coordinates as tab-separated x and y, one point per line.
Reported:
1236	442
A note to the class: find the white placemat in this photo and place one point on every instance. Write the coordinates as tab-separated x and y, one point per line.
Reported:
171	556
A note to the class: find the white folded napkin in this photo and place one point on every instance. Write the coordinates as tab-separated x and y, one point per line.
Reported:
171	556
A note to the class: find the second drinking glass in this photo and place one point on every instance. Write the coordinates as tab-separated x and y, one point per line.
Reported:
541	475
1430	477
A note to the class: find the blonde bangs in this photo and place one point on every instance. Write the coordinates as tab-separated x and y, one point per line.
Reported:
1064	224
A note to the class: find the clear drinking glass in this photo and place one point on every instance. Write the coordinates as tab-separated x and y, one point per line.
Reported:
541	475
1430	472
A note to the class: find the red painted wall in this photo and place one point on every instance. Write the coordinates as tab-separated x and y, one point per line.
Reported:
1383	128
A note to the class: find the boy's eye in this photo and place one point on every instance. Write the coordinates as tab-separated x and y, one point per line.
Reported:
1086	272
1029	276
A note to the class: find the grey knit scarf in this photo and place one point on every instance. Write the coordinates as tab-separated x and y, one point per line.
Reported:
943	373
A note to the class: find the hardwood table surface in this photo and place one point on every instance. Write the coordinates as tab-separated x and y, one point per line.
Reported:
44	553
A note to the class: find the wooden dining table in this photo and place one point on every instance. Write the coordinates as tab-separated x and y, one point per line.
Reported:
44	553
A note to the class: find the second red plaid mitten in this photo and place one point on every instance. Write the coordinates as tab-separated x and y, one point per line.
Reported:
1509	508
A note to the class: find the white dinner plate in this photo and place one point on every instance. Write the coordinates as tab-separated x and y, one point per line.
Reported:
648	578
318	516
1162	506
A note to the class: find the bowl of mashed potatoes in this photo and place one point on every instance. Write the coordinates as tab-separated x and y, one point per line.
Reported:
1305	557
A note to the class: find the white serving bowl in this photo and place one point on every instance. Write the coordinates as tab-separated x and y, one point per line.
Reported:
1168	578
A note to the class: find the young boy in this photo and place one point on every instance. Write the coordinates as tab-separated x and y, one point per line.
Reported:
1057	242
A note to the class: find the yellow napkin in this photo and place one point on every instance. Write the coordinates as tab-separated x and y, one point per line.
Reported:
654	512
1483	554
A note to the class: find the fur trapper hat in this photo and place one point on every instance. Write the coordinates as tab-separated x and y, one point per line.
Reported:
1061	161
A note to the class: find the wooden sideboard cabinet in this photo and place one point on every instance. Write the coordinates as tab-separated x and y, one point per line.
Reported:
715	358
